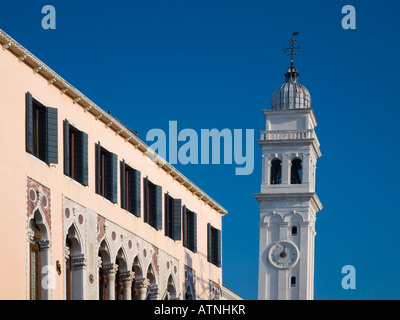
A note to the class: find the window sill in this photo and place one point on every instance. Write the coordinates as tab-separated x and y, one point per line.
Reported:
75	181
40	160
104	198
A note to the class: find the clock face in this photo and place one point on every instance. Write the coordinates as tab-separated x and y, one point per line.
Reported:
283	254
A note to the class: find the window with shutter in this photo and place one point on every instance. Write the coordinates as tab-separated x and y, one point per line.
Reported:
189	229
110	176
81	158
152	204
130	189
172	217
214	254
168	216
41	130
176	219
192	234
75	153
106	173
184	226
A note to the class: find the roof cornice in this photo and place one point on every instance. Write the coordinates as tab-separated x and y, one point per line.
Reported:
40	68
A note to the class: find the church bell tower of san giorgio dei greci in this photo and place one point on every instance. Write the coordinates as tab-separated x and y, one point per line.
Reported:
288	201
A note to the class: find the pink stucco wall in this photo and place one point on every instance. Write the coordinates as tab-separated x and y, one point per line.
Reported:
16	78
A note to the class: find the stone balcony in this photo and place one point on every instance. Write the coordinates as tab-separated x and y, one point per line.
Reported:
287	135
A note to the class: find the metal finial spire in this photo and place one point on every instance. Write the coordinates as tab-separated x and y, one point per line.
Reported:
292	48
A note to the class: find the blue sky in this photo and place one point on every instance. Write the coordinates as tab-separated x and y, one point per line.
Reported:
214	64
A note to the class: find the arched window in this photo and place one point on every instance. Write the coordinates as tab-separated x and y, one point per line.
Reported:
137	269
68	271
293	282
35	264
296	171
189	293
294	231
103	285
171	291
119	286
276	171
74	266
38	258
104	259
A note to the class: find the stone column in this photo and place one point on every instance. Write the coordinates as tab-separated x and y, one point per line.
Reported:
110	270
285	169
78	264
45	249
127	278
142	285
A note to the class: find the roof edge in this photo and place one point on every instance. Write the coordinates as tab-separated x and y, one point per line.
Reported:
40	68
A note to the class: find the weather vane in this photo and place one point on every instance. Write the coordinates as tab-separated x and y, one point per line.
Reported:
292	48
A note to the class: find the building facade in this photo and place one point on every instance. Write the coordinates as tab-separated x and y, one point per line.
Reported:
288	201
86	213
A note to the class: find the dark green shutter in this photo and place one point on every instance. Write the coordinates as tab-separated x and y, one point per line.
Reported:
156	206
216	247
145	198
81	158
209	243
184	229
176	219
134	195
67	153
192	232
49	136
98	167
123	185
133	199
167	215
29	123
111	176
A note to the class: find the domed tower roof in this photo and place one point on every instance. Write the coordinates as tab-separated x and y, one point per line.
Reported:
291	94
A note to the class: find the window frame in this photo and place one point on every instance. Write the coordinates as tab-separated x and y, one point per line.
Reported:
214	245
41	131
106	173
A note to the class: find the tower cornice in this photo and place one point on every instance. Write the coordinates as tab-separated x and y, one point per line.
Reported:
294	196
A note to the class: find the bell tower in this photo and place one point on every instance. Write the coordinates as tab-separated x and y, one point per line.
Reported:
288	201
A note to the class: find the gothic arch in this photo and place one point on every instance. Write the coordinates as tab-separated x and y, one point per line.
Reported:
75	237
137	267
122	259
104	260
75	262
171	288
39	219
104	251
38	256
122	268
151	275
189	293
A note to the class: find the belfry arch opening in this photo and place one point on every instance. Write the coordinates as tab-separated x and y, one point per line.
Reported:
296	171
276	171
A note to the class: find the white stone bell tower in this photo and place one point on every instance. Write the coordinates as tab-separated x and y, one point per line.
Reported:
288	202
